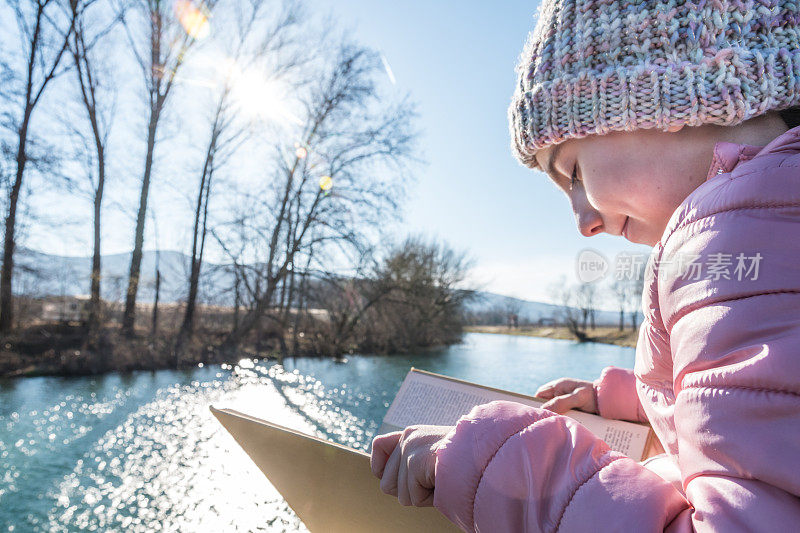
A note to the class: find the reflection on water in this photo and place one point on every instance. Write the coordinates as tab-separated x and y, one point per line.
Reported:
141	452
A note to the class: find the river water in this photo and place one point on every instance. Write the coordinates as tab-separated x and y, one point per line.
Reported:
141	451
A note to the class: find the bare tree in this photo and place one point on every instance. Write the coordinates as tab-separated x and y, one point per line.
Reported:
45	27
227	127
425	307
346	179
157	291
512	310
302	300
586	299
413	298
620	289
346	300
566	297
635	289
91	30
633	282
160	57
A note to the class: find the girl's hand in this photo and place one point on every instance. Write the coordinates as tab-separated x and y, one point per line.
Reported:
405	462
566	393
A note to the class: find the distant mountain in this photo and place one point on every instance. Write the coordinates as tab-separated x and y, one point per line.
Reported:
528	311
46	275
40	274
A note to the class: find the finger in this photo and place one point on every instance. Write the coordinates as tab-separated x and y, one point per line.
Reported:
426	501
548	389
389	478
562	404
382	448
555	388
545	392
403	495
421	496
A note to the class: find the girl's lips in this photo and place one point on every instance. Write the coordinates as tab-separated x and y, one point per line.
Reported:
625	228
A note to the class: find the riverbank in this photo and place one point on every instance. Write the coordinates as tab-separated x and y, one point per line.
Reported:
61	350
605	335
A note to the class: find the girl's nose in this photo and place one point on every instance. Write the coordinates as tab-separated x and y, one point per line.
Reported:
588	219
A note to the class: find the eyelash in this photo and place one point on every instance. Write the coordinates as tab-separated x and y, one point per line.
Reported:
573	178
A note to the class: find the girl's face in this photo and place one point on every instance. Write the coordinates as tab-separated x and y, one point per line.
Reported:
630	183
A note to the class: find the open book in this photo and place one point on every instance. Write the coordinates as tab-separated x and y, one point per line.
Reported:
331	487
428	398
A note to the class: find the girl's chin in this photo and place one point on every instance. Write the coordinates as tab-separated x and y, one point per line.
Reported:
636	236
640	239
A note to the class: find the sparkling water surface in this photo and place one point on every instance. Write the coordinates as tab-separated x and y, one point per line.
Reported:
142	452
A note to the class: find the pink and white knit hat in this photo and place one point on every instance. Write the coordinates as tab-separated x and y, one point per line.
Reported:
595	66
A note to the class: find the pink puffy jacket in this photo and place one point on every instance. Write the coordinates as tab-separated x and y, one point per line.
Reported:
717	374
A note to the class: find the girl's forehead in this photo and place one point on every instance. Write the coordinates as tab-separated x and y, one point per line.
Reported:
547	158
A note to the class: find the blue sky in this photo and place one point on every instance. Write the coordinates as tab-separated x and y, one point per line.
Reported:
457	60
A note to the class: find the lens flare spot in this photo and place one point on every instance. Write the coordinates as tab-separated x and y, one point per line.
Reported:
325	183
262	97
193	19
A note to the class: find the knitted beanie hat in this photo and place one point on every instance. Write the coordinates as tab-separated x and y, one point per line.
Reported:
595	66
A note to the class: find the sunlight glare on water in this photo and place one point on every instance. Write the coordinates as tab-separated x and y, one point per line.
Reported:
169	466
142	452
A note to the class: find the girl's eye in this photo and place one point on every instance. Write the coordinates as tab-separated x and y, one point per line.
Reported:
574	178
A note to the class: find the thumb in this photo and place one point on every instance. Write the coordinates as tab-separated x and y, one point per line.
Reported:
562	404
382	448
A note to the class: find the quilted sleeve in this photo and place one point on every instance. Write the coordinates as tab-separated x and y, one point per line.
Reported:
507	467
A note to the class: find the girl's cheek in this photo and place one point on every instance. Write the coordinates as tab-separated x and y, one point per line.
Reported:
598	185
600	197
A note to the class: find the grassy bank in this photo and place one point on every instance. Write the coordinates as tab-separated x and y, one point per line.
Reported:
606	335
60	349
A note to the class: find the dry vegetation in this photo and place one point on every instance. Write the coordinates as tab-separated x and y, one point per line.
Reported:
606	335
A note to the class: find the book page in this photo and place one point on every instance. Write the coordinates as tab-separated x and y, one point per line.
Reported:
428	398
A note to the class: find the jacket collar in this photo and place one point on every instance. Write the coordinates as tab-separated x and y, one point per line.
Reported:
728	155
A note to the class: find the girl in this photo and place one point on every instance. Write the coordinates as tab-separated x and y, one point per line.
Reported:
669	124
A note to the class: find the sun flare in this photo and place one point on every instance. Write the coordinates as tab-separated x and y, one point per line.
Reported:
261	97
193	19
